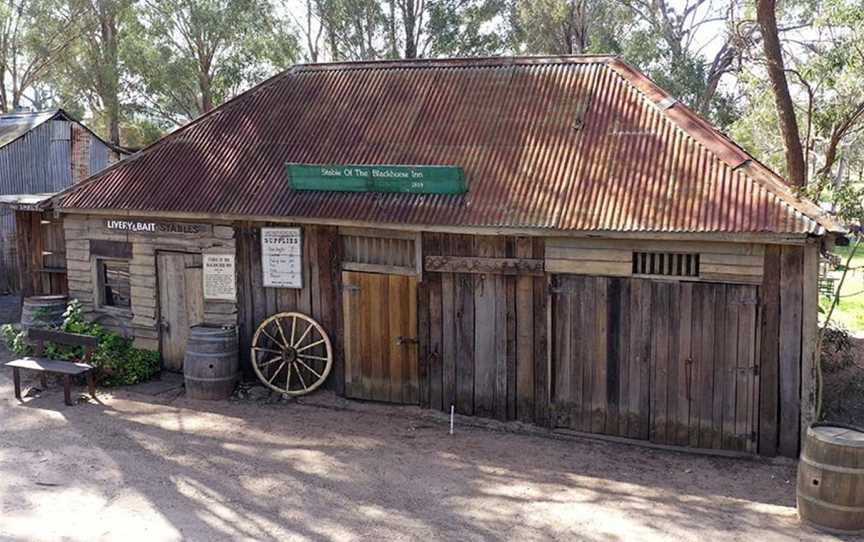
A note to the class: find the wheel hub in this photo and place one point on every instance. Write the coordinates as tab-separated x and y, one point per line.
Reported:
289	354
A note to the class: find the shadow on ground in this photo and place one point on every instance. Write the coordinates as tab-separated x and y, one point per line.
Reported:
148	468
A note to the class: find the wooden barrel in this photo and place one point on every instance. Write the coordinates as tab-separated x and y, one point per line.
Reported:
211	364
831	478
43	311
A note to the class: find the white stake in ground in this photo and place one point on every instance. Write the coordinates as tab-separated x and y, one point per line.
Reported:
452	410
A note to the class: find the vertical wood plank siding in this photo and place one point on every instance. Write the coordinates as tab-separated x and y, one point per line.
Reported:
641	359
320	296
480	332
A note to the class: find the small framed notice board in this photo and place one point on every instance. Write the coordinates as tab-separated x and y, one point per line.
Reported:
282	257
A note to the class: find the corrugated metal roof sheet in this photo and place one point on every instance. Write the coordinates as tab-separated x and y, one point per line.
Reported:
14	125
570	143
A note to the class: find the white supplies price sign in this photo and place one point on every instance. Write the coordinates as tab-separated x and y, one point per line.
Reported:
282	257
219	277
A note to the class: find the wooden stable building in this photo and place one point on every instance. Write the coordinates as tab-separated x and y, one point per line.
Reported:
552	240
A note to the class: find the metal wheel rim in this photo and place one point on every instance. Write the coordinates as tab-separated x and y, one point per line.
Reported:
299	338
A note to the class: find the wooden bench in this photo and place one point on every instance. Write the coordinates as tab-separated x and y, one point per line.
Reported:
45	365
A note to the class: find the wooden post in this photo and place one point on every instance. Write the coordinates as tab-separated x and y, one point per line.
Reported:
809	333
791	304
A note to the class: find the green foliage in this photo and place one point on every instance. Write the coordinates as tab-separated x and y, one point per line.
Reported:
116	361
15	340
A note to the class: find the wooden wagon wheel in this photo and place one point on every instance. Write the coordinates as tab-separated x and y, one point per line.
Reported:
291	353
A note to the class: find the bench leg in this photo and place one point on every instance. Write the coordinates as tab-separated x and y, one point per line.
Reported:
67	389
91	384
43	379
16	379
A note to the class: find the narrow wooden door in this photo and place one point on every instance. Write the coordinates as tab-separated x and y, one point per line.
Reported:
181	303
380	317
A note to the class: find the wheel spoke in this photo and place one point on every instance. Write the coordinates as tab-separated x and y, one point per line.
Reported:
262	349
308	346
310	356
271	361
293	328
281	331
273	376
264	331
305	333
310	369
288	380
302	380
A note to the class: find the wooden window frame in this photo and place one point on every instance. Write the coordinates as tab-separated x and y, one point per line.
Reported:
99	287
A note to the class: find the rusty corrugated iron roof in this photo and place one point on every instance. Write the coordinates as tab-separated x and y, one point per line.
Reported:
569	143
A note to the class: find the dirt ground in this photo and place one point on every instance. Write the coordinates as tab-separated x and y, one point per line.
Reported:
136	467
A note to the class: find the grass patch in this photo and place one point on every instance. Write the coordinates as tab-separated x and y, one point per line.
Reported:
850	309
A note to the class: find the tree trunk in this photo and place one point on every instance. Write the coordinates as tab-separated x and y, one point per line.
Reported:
109	93
205	86
796	169
409	20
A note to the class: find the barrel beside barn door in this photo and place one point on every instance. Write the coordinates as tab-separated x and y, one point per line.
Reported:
381	348
665	361
181	303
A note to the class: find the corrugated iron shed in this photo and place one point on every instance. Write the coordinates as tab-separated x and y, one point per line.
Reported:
567	143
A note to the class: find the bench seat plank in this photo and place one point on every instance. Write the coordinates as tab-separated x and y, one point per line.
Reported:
50	365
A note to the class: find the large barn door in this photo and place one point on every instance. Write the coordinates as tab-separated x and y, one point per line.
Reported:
381	346
669	362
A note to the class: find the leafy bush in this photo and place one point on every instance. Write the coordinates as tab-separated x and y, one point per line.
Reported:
116	361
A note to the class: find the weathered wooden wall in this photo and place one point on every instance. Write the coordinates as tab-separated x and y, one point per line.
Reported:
320	296
483	336
141	320
787	342
667	361
736	263
41	254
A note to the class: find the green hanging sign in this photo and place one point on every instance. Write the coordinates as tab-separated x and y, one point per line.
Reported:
374	178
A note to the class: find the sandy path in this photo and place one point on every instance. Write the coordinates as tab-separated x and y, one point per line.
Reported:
137	468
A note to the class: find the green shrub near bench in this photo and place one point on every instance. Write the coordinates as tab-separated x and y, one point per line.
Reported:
116	361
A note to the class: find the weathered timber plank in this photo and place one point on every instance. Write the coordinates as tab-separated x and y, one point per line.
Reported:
769	383
601	336
729	377
465	332
791	310
524	338
615	269
563	360
483	263
485	354
542	347
809	332
613	353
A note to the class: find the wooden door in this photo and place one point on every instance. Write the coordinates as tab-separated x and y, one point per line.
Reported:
670	362
380	318
181	303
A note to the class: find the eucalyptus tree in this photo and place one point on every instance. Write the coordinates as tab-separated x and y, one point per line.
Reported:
34	35
192	55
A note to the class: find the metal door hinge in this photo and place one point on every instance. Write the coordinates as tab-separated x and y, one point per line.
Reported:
351	287
407	340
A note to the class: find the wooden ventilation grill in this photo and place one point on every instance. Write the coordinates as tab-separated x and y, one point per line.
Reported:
379	252
665	264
